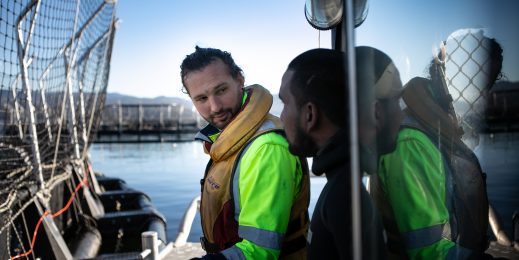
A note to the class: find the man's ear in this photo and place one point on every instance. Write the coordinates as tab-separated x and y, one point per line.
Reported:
241	79
310	116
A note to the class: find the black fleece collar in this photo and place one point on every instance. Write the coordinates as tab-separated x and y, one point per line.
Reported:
334	155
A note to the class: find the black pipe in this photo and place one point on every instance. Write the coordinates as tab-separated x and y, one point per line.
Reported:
87	244
158	226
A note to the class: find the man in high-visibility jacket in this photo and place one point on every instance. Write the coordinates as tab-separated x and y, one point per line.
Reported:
255	193
431	191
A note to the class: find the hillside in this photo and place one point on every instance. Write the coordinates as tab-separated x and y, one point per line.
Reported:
114	98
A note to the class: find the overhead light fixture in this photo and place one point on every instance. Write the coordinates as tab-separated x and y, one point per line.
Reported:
326	14
360	10
323	15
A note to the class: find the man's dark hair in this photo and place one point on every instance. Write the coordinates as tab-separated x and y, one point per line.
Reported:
319	77
202	57
370	66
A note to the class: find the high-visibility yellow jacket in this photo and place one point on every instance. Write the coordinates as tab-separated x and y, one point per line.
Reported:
432	207
255	194
410	193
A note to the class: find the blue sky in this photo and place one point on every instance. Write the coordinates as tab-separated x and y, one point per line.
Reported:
154	37
263	36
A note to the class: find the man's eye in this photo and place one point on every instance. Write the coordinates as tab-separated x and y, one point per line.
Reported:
221	91
201	99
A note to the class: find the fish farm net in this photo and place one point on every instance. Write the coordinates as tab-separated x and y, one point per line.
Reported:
54	66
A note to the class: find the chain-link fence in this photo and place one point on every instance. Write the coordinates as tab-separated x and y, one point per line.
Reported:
472	65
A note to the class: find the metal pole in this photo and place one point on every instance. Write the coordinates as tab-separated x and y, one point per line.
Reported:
82	120
70	64
22	53
187	222
161	118
150	241
168	118
180	113
45	107
17	108
106	63
140	118
63	111
86	130
68	74
349	50
46	71
120	117
82	123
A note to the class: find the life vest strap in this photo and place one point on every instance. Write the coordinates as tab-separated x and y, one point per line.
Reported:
293	246
296	224
212	248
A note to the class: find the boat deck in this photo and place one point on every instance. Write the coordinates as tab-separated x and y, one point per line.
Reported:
502	252
188	251
194	249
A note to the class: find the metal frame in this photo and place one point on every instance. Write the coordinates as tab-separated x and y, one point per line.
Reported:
348	45
17	107
82	117
22	55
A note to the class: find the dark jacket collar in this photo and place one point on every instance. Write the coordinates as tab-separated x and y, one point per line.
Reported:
334	155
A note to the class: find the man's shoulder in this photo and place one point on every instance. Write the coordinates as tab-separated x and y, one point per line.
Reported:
272	137
269	150
268	141
409	134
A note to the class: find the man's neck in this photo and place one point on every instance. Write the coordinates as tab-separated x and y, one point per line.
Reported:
324	137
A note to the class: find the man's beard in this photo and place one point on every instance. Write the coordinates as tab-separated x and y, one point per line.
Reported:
386	143
302	145
221	125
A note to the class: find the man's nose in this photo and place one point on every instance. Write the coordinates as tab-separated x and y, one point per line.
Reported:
215	104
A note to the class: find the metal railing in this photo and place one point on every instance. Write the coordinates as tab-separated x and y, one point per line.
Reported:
148	117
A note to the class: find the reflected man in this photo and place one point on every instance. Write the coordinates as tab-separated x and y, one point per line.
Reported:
431	190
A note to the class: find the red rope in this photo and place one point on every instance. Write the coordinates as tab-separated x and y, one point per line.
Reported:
83	182
59	212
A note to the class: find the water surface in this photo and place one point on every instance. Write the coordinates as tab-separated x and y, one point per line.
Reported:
169	173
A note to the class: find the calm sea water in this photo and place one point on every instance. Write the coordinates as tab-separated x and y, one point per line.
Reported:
170	173
499	158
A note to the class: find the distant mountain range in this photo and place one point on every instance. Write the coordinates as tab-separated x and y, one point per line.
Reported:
114	98
507	94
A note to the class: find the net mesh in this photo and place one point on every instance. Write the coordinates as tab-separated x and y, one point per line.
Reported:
54	66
